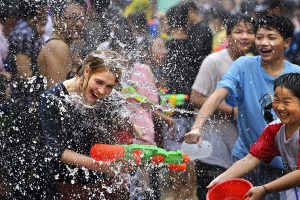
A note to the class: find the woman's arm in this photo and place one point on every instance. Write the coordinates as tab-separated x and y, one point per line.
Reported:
72	158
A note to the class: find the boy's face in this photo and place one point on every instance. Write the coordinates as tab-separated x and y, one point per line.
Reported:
270	44
241	38
287	106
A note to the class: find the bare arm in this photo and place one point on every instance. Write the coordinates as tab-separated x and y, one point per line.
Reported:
198	99
238	169
285	182
208	108
79	160
57	61
23	66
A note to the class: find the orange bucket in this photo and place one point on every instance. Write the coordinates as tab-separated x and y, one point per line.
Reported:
231	189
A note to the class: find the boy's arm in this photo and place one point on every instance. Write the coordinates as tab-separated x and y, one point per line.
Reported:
285	182
237	170
208	108
198	99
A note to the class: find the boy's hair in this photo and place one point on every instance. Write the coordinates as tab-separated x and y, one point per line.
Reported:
235	20
280	23
10	9
138	20
191	5
177	16
30	9
291	81
217	12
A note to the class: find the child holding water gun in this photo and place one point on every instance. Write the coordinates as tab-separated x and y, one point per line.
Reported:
279	138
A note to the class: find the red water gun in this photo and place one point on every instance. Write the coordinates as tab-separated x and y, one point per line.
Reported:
174	160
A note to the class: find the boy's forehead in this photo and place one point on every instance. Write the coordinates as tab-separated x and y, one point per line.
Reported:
268	30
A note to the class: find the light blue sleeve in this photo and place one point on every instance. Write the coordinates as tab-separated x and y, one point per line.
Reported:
232	80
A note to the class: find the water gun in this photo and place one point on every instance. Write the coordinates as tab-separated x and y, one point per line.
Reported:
131	90
140	154
174	99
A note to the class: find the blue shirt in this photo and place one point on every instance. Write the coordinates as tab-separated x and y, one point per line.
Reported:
251	89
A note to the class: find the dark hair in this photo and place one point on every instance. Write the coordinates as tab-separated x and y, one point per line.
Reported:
9	8
234	20
217	12
291	81
280	23
191	5
138	20
177	16
100	5
58	7
30	8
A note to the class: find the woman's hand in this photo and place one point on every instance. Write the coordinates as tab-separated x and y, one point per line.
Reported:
255	193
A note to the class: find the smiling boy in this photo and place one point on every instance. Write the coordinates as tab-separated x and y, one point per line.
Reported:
248	85
280	137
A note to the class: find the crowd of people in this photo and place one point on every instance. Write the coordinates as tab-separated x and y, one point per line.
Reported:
74	73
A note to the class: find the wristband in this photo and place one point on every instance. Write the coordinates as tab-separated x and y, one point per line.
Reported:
265	189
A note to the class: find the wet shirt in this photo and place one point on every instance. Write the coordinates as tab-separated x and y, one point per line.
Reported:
179	70
69	124
273	142
251	88
23	40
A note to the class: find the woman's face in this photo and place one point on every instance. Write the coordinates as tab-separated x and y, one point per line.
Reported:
99	85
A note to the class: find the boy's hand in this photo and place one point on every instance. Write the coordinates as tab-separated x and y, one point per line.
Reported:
193	137
255	193
214	182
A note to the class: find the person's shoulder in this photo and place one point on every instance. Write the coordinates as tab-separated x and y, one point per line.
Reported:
292	66
217	55
274	126
246	58
54	91
56	45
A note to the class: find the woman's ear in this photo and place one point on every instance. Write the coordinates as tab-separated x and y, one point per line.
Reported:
86	71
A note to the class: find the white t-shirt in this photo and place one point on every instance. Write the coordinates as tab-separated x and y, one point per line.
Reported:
220	131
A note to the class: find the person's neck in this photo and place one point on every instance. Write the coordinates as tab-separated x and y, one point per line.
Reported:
196	20
273	68
291	129
59	36
179	34
73	85
234	54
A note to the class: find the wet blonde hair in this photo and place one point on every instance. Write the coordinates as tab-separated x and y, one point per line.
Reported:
104	60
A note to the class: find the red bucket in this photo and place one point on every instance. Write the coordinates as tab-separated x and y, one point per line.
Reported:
232	189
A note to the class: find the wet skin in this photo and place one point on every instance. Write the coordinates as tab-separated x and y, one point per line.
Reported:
270	45
286	105
100	84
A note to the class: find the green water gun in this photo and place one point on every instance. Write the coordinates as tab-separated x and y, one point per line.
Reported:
129	89
174	99
140	154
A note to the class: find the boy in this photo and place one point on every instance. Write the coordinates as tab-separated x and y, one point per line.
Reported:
280	137
249	83
223	133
